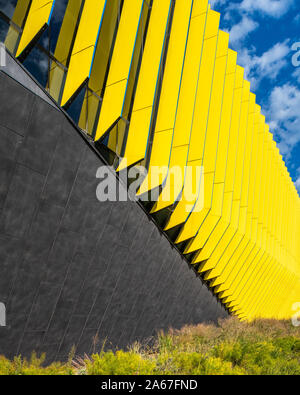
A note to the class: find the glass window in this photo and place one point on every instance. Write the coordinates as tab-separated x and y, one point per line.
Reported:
8	7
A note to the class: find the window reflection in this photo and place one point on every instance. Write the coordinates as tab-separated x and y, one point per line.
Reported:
8	7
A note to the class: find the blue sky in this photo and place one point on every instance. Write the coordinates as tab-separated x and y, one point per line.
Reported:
265	34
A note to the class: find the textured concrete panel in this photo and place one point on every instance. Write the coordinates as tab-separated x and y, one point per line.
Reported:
75	271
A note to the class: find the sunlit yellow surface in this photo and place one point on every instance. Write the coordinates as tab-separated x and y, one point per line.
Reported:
31	16
84	47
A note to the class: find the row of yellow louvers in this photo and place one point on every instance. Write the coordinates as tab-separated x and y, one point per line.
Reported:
162	80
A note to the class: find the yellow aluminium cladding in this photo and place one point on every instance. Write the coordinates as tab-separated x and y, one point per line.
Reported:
31	16
163	90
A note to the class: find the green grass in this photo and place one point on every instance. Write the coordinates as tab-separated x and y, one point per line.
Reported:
231	348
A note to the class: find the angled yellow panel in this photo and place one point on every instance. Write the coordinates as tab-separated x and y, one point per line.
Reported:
189	199
93	99
37	17
255	294
148	81
199	7
252	250
67	30
261	285
120	66
250	276
234	268
219	273
274	287
197	141
84	47
264	202
268	286
257	268
184	133
19	18
228	241
221	157
63	48
218	232
171	88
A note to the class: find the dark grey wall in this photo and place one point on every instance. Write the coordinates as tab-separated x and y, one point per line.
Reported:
70	266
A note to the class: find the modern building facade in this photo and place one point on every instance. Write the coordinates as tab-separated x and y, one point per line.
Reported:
152	85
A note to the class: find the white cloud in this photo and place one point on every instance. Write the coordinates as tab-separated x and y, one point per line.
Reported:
245	11
274	8
215	3
242	29
268	65
284	112
273	60
297	182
